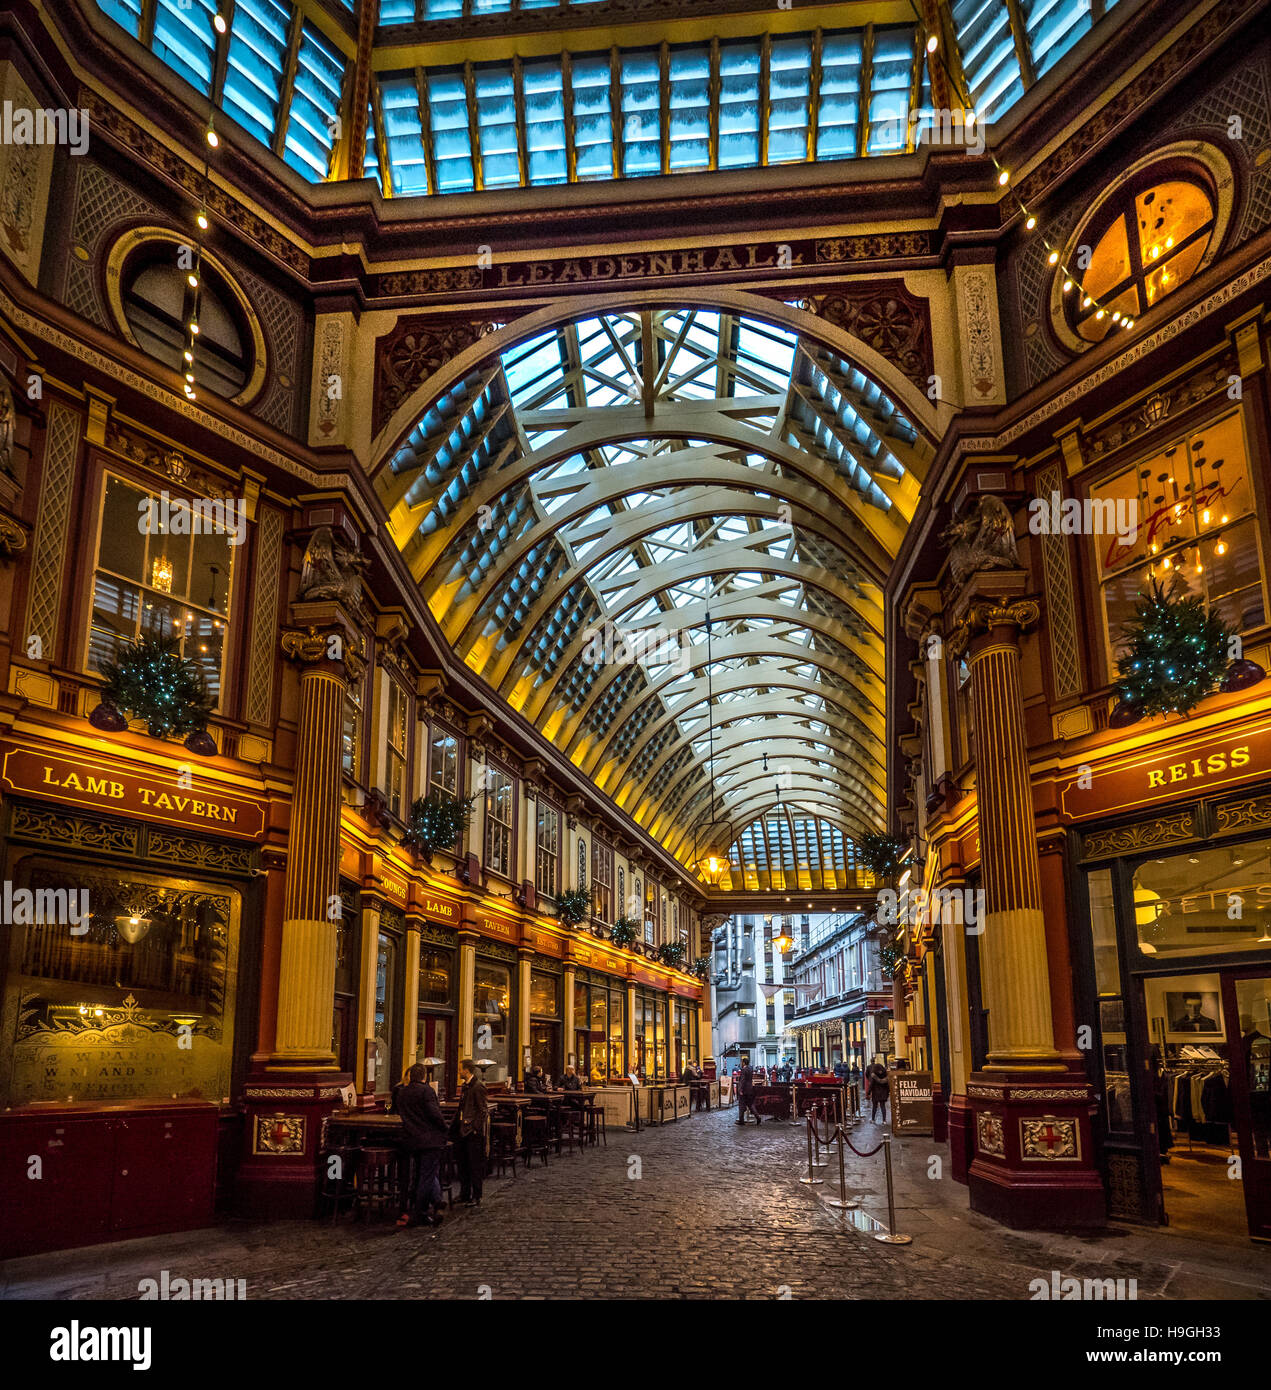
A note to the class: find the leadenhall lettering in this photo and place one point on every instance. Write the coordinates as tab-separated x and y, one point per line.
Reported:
706	261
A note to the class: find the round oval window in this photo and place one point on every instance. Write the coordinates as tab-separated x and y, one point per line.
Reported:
159	303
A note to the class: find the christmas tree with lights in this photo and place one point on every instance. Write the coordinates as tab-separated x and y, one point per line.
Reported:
149	679
1176	651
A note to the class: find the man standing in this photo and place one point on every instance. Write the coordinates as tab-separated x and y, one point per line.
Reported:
878	1088
474	1111
746	1093
424	1136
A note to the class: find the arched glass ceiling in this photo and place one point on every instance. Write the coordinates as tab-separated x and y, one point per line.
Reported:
575	510
456	119
788	848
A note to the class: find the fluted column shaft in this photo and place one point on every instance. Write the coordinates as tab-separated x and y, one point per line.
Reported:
1013	945
306	985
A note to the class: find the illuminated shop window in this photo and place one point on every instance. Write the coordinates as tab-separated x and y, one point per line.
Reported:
1195	524
1182	906
398	746
547	850
443	763
169	582
491	1011
498	822
100	1003
351	729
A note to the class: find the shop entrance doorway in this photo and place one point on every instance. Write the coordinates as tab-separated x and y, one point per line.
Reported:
1195	1069
1247	1005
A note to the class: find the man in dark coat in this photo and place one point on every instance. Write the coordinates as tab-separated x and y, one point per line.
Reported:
878	1088
746	1092
424	1137
470	1134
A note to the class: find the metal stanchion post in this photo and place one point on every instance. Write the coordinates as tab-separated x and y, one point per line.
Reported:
813	1117
794	1103
841	1201
810	1180
890	1237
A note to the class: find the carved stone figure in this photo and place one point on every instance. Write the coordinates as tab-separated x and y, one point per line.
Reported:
8	427
983	538
331	571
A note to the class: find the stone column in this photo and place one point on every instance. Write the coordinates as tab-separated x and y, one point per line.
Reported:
523	958
1033	1162
297	1081
1013	955
307	966
466	1022
570	975
631	1028
369	1081
899	1019
410	1008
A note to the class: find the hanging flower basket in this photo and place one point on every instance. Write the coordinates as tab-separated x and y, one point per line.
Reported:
672	954
149	679
623	932
573	905
436	822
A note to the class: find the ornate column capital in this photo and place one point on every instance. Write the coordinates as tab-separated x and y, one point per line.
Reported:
988	614
333	643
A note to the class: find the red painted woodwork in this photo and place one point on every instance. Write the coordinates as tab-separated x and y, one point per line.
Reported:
110	1171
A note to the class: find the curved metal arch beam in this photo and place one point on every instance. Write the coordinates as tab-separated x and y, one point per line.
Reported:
608	769
877	537
508	667
747	809
761	821
696	501
780	703
927	418
740	604
858	522
602	774
863	777
761	646
847	801
744	747
652	584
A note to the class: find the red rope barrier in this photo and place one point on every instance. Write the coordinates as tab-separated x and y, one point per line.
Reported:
868	1154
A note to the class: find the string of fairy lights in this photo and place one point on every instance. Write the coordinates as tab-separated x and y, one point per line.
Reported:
194	279
1054	256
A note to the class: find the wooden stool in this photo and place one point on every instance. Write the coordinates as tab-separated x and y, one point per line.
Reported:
594	1117
534	1139
379	1182
503	1150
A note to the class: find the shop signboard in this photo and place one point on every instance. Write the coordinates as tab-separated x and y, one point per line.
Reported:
98	785
1188	767
911	1102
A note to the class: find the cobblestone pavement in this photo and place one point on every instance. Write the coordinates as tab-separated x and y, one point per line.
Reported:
697	1209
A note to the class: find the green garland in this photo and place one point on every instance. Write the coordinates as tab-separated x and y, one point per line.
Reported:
623	932
573	905
436	822
888	958
149	679
1176	652
672	954
702	967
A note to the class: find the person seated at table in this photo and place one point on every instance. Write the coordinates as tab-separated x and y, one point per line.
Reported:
571	1081
424	1138
534	1082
